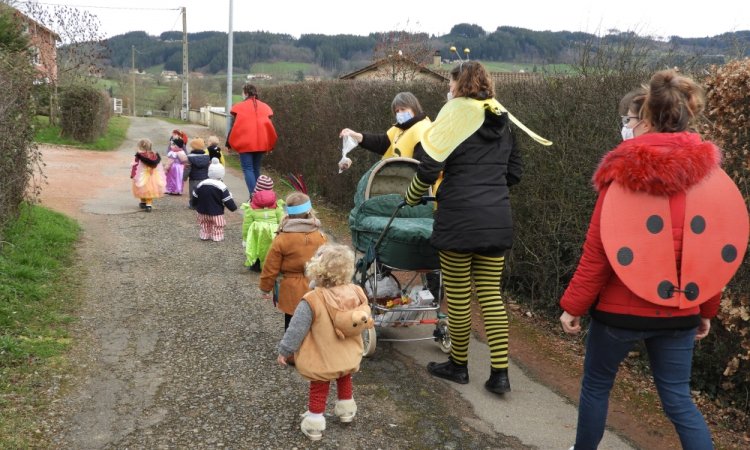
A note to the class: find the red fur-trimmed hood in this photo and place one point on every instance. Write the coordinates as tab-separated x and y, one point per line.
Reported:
658	163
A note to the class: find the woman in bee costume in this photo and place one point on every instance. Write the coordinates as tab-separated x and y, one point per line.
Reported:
471	142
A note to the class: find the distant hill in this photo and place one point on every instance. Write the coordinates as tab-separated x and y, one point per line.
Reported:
337	54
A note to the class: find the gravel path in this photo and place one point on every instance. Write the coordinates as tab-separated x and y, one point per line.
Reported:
177	350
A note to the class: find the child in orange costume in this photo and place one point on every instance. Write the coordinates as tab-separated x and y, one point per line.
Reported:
296	241
148	175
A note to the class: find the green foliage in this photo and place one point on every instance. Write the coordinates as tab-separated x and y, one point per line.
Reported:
20	158
12	37
85	112
117	129
35	308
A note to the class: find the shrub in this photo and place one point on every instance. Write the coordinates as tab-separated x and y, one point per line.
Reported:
728	346
85	112
20	158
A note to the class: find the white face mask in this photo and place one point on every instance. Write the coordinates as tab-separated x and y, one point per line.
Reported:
404	116
627	133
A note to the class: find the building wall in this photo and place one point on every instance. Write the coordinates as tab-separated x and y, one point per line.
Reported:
44	43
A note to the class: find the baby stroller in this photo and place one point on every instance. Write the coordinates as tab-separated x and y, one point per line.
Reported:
398	269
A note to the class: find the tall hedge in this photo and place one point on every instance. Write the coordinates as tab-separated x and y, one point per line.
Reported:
18	156
553	203
309	117
85	111
723	360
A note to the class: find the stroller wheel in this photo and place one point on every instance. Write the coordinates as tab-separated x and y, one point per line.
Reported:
442	335
369	339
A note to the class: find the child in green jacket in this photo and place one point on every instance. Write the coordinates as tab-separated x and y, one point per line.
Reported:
262	217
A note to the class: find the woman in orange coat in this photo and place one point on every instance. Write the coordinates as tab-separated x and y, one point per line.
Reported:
251	134
298	239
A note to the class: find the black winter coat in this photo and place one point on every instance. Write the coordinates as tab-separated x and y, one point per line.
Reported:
473	213
199	163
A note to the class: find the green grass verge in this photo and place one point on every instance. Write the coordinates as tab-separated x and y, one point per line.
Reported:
36	304
117	129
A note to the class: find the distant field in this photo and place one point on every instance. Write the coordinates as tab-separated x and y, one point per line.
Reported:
156	70
494	66
281	67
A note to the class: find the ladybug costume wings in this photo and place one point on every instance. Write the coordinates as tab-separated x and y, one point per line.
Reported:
636	235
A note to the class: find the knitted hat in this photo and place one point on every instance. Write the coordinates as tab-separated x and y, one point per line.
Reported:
197	144
216	170
265	183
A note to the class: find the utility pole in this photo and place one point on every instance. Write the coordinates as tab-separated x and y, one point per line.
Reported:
132	77
230	57
185	93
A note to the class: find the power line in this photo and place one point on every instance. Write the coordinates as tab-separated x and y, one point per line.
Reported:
104	7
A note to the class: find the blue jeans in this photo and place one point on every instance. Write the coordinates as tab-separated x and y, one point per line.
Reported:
250	162
670	355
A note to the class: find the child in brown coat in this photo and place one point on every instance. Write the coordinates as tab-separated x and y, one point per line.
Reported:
296	241
325	335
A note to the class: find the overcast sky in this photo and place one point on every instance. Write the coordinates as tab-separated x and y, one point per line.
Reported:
656	18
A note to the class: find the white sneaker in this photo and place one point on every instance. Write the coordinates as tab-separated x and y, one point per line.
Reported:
313	427
345	410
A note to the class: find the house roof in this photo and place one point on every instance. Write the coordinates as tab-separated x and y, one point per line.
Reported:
390	60
36	24
441	75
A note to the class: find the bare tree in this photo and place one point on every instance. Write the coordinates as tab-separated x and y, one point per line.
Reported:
407	53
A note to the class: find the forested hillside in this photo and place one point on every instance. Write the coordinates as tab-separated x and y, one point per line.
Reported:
341	53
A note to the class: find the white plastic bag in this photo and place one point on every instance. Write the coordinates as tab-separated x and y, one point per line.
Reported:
382	287
347	144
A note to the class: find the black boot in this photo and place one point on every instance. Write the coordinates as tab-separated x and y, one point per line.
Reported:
449	370
498	382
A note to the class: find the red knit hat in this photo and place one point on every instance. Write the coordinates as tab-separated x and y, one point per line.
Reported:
265	183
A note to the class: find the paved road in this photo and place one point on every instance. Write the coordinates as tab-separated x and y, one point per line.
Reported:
177	351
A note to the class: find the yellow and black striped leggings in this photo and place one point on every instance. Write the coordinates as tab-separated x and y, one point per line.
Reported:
459	271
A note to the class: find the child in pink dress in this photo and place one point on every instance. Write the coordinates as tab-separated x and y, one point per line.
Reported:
175	166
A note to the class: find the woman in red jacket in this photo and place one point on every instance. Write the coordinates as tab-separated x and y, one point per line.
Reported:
252	134
668	231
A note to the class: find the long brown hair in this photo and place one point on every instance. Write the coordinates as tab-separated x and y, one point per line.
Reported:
473	81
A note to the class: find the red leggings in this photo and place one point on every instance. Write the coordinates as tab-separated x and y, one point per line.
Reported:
319	393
